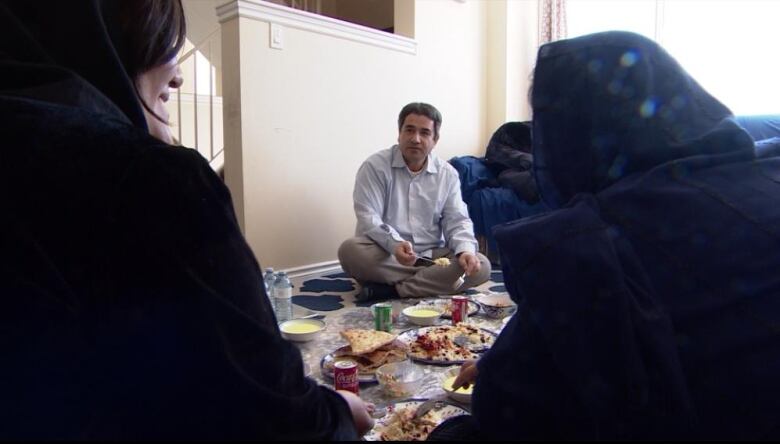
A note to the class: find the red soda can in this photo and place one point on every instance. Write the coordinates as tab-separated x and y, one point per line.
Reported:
460	309
345	374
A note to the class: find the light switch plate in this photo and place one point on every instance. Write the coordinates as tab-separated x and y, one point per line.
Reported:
277	36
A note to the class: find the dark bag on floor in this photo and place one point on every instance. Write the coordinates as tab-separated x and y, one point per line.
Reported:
508	155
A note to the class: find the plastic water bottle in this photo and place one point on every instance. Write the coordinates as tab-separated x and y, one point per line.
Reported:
268	279
283	297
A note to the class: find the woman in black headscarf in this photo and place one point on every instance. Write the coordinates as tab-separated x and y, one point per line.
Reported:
649	301
132	307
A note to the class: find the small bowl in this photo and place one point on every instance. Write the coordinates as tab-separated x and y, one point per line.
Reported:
461	395
301	330
496	306
400	379
422	314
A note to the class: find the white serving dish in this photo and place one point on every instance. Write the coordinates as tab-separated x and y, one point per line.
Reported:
422	314
301	330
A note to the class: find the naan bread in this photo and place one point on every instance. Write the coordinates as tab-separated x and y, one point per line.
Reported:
365	341
384	357
367	363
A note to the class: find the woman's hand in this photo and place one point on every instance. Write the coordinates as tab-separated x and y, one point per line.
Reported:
467	376
361	411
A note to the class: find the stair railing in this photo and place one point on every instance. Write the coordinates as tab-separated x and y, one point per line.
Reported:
211	149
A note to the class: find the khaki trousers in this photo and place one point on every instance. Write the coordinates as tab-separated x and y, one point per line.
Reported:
366	261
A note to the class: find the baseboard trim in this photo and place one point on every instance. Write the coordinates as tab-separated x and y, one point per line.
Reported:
314	269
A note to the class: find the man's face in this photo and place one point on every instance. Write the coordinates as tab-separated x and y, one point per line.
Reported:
416	140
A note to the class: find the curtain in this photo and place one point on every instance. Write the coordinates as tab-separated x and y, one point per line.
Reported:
552	20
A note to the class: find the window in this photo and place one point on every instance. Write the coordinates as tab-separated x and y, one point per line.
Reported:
728	46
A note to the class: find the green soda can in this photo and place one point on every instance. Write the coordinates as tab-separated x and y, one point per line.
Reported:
383	317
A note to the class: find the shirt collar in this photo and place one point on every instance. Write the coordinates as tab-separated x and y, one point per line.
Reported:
398	161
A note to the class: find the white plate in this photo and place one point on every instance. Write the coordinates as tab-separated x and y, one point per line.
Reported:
329	371
410	336
446	412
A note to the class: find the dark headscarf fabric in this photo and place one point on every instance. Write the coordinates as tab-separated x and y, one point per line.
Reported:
131	305
649	301
85	45
613	104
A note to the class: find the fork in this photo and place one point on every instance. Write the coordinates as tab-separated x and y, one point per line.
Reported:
436	402
461	280
311	316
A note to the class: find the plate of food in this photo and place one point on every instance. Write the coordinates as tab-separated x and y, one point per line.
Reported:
370	349
399	423
445	305
447	344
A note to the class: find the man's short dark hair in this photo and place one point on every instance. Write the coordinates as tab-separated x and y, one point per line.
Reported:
422	109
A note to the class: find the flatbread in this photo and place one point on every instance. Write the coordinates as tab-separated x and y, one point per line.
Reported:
365	341
387	356
367	363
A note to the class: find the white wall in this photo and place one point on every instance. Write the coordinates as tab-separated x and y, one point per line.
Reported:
450	72
497	61
522	42
511	55
305	118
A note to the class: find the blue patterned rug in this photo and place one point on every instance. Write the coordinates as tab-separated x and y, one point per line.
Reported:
329	292
323	285
321	302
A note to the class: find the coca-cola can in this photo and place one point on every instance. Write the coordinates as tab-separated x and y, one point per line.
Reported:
345	374
460	309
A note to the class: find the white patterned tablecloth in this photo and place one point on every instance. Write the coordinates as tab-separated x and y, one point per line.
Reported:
358	317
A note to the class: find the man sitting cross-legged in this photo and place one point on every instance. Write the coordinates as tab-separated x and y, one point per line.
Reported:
408	206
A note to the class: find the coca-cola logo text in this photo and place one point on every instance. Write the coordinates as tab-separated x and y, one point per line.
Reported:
346	378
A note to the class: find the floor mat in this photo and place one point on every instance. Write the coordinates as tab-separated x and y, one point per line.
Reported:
323	285
320	302
341	288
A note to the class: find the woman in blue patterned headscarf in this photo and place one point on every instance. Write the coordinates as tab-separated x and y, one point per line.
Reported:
649	299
